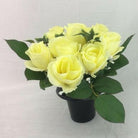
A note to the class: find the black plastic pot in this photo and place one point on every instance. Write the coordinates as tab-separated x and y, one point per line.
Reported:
81	110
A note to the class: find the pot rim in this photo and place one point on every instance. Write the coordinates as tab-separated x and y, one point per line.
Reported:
63	96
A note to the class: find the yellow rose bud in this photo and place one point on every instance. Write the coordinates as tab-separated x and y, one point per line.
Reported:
93	57
40	57
56	30
63	46
99	28
66	72
111	42
76	28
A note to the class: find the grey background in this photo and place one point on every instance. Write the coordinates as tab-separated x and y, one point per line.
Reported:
28	112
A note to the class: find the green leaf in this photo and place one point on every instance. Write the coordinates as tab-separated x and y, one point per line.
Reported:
110	108
120	62
107	85
45	39
44	83
30	41
39	39
97	39
110	72
58	35
88	36
126	43
105	72
100	73
34	75
93	96
83	91
18	47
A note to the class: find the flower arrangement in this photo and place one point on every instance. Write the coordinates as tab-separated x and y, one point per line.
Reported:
78	59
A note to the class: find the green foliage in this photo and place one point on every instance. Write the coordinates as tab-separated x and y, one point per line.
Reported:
30	41
18	47
110	72
94	94
110	108
44	39
126	43
107	85
120	62
38	39
89	36
97	39
34	75
58	35
83	91
100	73
106	72
44	83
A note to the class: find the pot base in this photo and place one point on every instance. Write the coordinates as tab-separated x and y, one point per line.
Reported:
81	110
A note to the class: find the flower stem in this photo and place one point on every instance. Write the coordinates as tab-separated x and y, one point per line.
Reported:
94	91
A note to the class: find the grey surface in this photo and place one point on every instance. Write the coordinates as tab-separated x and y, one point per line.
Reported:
28	112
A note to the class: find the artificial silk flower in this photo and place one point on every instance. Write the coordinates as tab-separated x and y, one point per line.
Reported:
70	58
75	28
39	55
99	28
66	72
94	57
60	46
111	42
56	30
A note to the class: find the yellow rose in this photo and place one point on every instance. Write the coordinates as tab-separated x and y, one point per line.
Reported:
56	30
76	28
66	72
40	57
93	57
99	28
111	42
63	46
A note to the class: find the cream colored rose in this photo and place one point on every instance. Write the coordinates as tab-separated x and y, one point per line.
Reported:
76	28
63	46
99	28
93	57
56	30
40	57
66	72
111	42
